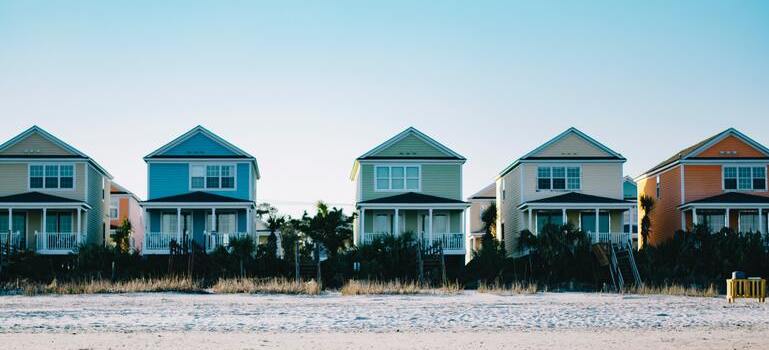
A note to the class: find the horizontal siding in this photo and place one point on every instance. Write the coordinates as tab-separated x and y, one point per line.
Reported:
665	218
730	144
572	146
37	145
442	180
16	180
702	181
411	146
598	179
169	179
97	219
199	145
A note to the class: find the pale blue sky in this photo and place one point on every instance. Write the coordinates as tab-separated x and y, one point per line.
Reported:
308	86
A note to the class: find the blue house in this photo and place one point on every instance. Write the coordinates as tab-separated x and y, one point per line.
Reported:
200	189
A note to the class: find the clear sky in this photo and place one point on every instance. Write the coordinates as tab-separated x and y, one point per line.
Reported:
308	86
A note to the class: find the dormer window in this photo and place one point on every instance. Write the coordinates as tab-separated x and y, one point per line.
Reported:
212	176
744	178
397	178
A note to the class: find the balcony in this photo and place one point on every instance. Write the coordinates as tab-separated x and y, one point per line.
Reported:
214	240
610	237
449	241
10	240
158	242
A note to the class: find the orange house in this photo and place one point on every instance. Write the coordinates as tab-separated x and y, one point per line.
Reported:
125	205
720	182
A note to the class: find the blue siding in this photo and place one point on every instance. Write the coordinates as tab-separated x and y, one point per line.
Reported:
242	224
198	145
169	179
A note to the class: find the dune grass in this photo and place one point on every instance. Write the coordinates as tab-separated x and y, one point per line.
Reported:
516	288
368	287
99	286
676	290
265	286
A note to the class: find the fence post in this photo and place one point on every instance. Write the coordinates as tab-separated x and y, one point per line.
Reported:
296	262
420	265
443	264
317	262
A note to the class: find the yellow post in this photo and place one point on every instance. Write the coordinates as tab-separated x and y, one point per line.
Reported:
746	288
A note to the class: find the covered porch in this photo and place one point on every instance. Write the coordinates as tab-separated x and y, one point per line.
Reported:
199	220
601	218
433	220
46	224
739	212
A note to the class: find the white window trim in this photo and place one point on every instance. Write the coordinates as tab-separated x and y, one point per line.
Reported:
751	166
566	177
205	181
57	189
117	208
405	187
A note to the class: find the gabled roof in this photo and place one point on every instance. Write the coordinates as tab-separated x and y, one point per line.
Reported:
75	153
693	150
611	155
197	197
200	130
412	198
488	192
118	189
408	132
731	198
38	197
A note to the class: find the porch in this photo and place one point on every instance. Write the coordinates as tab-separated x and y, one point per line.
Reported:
46	224
740	212
601	218
204	223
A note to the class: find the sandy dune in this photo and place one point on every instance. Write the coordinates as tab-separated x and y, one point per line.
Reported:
468	321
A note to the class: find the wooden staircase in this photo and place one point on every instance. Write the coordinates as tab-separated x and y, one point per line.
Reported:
623	271
432	258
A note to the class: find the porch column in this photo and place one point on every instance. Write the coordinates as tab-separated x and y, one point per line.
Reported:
726	222
683	220
430	224
362	225
178	224
45	229
564	220
79	229
761	221
10	220
529	227
462	223
213	220
694	217
397	227
597	224
248	220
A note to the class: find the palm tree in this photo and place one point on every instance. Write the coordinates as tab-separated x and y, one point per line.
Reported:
647	205
489	219
121	237
330	227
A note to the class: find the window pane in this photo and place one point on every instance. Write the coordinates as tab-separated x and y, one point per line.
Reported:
51	170
65	223
759	184
744	172
397	172
543	172
412	171
749	223
382	224
197	182
212	170
440	224
66	182
382	172
36	170
212	182
66	170
744	183
51	182
412	184
730	172
730	184
198	171
228	182
383	184
559	172
559	184
397	184
573	172
574	183
36	182
588	222
546	219
543	184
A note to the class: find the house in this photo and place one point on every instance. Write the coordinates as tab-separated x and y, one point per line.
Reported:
52	196
570	179
124	205
411	183
631	194
719	182
479	202
200	189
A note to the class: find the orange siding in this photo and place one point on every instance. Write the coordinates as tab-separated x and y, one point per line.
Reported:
702	181
665	218
731	143
123	211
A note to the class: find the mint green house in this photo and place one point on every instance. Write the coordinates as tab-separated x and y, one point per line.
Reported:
410	183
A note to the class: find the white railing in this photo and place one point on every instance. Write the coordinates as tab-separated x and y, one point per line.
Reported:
369	238
449	241
610	237
10	239
158	242
56	242
216	239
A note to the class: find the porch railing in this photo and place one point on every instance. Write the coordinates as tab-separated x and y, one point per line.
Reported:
53	242
217	239
449	241
611	237
10	239
369	238
158	241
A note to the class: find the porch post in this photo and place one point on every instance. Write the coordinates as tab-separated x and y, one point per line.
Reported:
726	222
396	229
178	224
597	224
362	225
761	221
248	220
694	217
430	224
564	220
10	219
45	229
213	220
529	227
683	220
79	229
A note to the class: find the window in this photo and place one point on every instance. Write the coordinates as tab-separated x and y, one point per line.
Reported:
51	176
545	219
749	222
441	223
397	178
659	188
714	222
225	222
58	222
212	176
558	178
587	222
745	178
382	223
113	207
168	223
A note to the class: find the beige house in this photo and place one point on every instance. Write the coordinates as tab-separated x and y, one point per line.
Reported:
479	202
570	179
